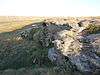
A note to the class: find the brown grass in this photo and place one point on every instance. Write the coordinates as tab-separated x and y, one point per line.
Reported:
8	24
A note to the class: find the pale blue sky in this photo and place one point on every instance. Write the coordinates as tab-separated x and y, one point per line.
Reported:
50	7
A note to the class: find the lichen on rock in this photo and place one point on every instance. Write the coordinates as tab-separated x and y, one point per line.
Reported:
63	42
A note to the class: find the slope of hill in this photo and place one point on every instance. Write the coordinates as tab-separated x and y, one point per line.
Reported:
20	55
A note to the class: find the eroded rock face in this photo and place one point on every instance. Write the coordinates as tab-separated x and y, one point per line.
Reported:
95	40
83	51
79	50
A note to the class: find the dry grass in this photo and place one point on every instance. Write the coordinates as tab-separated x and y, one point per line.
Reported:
8	24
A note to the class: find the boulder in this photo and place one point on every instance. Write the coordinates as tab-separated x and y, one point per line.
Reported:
79	50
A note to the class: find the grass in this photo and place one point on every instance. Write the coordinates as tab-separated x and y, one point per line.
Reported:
36	71
13	25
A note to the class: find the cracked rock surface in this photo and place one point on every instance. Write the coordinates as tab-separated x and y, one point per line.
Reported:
76	44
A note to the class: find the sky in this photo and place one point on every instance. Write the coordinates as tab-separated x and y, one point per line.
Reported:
49	7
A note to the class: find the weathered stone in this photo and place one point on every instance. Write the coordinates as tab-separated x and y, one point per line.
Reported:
95	40
55	56
81	50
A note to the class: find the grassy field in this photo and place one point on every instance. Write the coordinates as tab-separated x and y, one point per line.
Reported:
8	24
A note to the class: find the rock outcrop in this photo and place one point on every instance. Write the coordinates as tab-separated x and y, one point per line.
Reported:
79	50
69	44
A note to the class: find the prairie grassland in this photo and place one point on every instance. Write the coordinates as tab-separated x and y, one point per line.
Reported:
8	24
